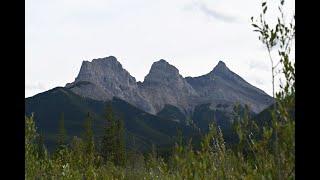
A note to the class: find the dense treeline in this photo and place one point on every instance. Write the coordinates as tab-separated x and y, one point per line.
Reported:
263	150
257	154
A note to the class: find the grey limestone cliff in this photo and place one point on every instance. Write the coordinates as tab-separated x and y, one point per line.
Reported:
108	79
222	86
164	85
105	78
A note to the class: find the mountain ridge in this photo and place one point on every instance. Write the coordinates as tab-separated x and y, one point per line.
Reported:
164	85
152	109
147	129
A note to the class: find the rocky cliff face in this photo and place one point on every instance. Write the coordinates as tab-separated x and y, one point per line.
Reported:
164	85
105	78
222	86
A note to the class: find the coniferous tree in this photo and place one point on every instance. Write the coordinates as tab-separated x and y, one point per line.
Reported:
113	143
120	144
88	137
62	133
133	154
78	156
109	139
30	148
41	149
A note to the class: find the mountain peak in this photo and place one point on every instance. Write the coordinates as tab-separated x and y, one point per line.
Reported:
162	64
110	60
161	69
163	85
162	61
162	72
221	64
221	67
103	70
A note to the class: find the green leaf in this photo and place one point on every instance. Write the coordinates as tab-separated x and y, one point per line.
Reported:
282	2
264	3
273	36
265	9
256	26
277	27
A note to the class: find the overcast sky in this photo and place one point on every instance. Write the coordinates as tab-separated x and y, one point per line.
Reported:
192	35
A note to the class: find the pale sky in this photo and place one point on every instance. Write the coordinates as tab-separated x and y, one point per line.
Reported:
192	35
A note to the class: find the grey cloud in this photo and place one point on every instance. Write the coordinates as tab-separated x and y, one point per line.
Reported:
253	64
213	13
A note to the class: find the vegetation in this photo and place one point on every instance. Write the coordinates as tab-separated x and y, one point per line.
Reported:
113	146
146	128
62	134
261	151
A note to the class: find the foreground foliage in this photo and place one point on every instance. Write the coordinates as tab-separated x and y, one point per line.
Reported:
259	154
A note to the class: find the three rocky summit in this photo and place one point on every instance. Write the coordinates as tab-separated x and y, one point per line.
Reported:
152	110
105	78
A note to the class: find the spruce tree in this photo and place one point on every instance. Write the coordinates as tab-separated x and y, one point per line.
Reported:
109	139
62	134
31	157
88	137
120	144
41	149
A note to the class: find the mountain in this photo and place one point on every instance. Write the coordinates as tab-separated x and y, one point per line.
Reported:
147	129
105	78
222	86
153	110
165	86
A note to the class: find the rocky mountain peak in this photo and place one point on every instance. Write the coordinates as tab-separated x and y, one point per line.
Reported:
164	85
105	78
106	75
107	63
163	65
104	69
162	71
221	64
109	58
221	67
